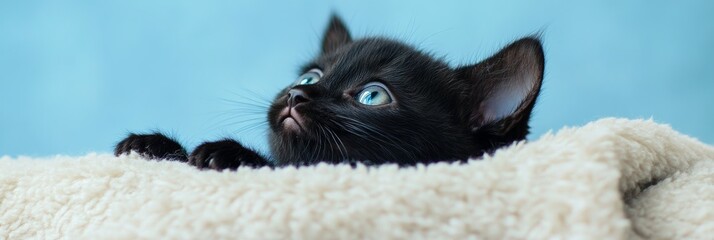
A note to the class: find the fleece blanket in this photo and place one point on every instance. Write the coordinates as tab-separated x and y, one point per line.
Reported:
610	179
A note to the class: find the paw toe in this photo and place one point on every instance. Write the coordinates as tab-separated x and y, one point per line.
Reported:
153	146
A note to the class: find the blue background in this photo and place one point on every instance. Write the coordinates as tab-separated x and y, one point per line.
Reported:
76	76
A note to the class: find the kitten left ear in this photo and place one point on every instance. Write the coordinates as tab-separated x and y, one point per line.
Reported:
335	36
504	90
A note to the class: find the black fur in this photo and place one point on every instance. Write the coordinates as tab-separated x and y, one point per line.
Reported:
439	113
214	155
154	146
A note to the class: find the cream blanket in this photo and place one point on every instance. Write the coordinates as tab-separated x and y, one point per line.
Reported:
581	183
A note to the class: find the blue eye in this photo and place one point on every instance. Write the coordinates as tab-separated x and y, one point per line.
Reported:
374	94
310	77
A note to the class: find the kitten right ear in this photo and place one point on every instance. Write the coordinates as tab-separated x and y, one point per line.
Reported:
336	35
504	90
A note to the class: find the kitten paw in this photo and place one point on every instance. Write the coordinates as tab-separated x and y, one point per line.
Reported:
152	146
225	154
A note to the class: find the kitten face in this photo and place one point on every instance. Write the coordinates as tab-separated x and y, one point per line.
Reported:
376	101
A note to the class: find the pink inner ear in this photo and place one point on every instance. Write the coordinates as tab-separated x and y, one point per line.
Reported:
505	99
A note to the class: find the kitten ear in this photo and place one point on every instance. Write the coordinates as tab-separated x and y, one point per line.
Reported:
504	89
335	36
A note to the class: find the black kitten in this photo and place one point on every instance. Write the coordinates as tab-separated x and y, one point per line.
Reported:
375	101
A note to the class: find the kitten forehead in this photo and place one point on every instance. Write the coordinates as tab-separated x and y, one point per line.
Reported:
369	52
374	58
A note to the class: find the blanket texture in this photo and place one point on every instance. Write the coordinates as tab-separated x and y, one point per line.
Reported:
610	179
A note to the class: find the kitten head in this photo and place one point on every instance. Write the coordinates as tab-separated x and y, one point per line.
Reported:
375	100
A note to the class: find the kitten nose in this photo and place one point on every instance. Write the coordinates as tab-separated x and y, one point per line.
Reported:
297	96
